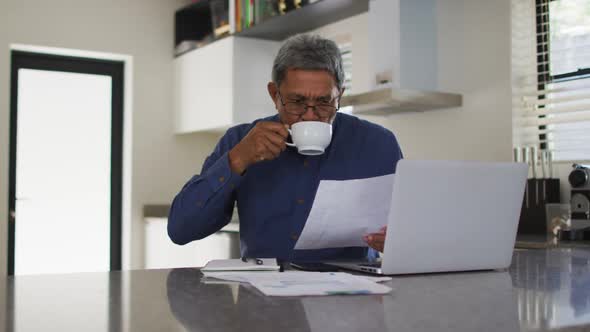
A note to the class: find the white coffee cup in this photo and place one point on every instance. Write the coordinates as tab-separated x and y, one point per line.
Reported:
310	137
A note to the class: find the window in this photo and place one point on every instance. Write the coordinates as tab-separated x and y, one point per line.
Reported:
346	51
551	77
344	42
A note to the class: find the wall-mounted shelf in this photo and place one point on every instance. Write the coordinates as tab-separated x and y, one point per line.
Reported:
387	101
194	23
306	18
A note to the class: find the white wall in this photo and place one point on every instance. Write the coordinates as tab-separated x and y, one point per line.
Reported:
142	29
473	59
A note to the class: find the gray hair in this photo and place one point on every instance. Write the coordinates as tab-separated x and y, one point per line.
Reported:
308	52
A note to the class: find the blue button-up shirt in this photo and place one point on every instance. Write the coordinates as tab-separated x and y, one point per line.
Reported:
275	197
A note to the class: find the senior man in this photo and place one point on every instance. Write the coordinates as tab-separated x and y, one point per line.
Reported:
273	185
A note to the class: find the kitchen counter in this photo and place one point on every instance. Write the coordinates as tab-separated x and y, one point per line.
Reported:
544	290
160	252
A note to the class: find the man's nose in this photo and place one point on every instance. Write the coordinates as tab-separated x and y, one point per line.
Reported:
309	114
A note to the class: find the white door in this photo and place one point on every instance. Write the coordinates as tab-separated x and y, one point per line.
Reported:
62	206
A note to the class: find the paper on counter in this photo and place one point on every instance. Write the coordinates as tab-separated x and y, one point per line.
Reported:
344	211
300	283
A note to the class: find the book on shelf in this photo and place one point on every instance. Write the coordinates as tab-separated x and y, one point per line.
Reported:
220	17
248	13
265	9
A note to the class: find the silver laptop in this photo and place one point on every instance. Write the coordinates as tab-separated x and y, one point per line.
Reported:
450	216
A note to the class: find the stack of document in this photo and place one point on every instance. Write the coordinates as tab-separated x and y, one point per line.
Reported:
254	264
300	283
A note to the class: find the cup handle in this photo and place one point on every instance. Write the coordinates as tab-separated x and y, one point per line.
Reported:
290	133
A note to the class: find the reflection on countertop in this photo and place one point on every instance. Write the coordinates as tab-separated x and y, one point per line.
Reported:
544	289
552	287
481	301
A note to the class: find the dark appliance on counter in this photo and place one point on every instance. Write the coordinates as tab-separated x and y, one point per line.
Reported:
579	179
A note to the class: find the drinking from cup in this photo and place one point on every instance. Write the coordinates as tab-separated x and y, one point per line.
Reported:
310	137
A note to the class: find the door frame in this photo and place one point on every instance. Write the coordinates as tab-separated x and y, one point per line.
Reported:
72	64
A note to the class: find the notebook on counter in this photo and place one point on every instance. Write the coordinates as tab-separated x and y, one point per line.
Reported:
250	264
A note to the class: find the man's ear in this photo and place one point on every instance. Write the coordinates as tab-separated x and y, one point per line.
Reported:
272	92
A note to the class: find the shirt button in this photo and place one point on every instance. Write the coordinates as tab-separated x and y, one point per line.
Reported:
199	203
306	163
294	236
300	201
221	179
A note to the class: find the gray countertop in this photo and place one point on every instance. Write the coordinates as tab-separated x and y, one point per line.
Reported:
545	289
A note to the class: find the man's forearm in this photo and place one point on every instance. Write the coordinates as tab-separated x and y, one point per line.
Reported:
205	204
197	212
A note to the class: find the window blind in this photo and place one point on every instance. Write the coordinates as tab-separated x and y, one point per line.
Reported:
344	42
346	51
551	77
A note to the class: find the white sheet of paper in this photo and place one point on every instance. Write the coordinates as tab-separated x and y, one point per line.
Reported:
344	211
300	283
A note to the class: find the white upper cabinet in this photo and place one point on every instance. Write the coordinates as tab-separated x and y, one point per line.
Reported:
223	84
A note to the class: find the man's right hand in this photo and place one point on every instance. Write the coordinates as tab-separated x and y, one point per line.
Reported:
265	141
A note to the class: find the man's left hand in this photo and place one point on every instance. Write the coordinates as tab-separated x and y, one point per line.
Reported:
376	240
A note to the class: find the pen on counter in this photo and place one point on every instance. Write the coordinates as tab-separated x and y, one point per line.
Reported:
351	292
257	260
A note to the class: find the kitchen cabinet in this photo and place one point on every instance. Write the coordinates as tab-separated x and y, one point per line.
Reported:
223	84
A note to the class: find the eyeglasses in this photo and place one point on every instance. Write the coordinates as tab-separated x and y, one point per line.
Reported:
298	108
